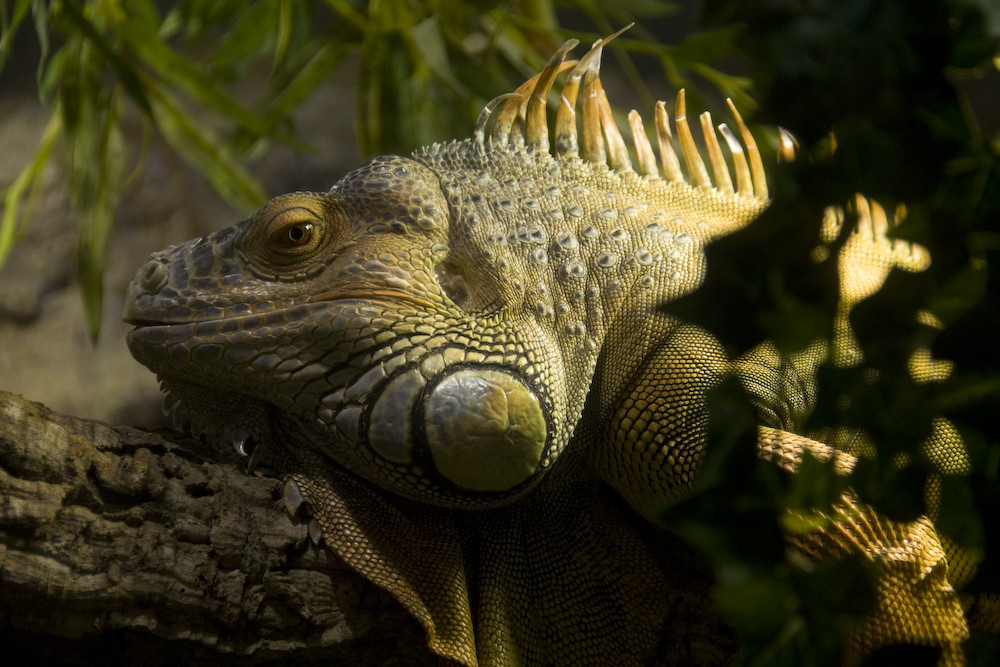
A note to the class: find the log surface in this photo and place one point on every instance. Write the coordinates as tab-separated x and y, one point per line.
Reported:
119	544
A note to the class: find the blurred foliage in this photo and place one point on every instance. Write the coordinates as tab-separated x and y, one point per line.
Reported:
881	74
886	77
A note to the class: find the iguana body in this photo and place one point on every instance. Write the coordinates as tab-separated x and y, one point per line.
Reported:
457	362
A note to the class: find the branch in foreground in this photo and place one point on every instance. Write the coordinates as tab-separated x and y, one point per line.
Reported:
118	543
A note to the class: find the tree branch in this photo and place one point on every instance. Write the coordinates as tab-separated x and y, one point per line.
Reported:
116	542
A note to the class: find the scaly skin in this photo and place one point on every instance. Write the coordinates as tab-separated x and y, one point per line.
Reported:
476	328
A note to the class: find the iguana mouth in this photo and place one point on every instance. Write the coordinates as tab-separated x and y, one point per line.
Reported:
134	316
391	294
139	323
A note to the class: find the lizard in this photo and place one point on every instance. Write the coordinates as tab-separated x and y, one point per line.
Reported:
457	363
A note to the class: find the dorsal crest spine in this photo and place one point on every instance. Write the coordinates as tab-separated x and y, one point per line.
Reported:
521	119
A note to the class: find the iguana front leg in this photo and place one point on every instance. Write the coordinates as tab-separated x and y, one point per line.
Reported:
653	423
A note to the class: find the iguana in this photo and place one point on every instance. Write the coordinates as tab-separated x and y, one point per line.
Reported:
457	362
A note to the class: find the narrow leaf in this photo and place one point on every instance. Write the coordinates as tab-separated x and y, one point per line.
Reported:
252	34
201	148
311	74
283	34
126	74
9	25
348	13
187	77
98	220
28	178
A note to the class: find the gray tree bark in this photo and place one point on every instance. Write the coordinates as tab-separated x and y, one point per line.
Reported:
119	545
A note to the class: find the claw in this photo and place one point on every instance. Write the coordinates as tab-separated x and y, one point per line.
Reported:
243	443
198	426
315	532
293	497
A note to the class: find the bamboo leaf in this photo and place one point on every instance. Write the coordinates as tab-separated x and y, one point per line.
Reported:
428	42
138	13
205	151
40	12
186	77
252	33
9	23
309	75
706	47
26	184
127	75
98	219
348	13
283	34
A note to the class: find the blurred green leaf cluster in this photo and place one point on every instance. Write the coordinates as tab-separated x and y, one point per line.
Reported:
888	78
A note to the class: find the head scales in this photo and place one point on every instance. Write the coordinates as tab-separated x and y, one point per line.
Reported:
521	120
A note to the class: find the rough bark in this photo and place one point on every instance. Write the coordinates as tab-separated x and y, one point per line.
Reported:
120	545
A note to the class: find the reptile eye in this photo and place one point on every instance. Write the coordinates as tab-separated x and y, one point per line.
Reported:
293	233
292	236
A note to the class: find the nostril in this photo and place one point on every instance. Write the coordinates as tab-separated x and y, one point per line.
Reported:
153	276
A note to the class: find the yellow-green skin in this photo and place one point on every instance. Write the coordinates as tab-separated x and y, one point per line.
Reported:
477	328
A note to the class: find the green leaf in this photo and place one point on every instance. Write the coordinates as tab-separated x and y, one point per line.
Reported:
283	33
26	185
98	219
142	14
348	13
186	77
705	47
309	75
40	11
206	152
9	23
429	45
126	74
647	8
252	34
